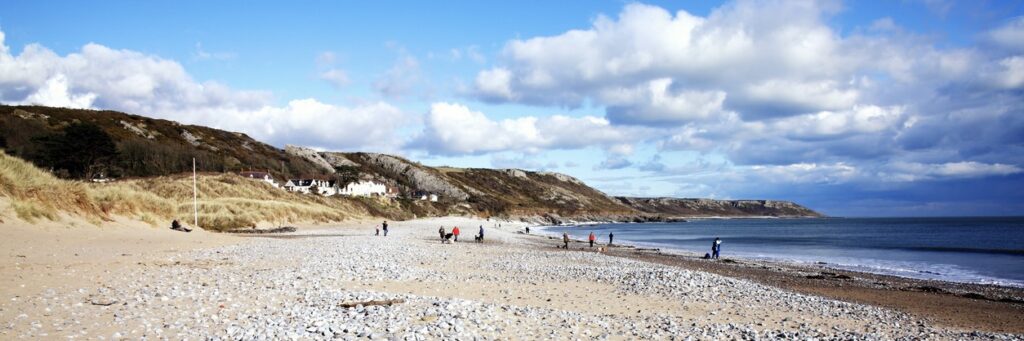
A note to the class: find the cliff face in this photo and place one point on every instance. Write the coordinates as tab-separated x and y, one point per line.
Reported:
676	207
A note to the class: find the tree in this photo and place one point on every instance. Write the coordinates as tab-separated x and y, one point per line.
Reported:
83	150
346	174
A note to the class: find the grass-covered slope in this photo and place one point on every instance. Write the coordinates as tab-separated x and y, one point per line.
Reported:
226	201
145	146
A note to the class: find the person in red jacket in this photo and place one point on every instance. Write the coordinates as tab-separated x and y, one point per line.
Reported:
592	239
455	232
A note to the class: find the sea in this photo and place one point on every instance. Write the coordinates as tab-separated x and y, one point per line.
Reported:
987	250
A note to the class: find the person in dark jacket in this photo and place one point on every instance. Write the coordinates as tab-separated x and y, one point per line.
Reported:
385	224
716	247
610	237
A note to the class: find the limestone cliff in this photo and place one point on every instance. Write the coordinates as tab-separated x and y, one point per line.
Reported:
677	207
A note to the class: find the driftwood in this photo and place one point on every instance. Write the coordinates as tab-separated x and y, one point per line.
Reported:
369	303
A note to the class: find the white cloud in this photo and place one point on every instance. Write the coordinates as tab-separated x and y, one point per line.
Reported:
452	128
755	53
495	84
806	173
55	93
1009	36
655	104
858	120
202	54
1011	75
337	77
101	77
913	171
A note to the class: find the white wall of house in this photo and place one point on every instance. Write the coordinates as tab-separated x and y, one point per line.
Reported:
265	178
269	180
363	189
302	186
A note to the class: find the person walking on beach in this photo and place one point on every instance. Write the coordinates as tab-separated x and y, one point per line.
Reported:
527	230
716	246
385	224
610	237
565	239
481	234
440	231
377	228
592	239
455	233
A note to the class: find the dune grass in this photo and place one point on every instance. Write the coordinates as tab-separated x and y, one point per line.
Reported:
226	201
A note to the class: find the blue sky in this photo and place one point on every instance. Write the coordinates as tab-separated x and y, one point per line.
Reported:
850	107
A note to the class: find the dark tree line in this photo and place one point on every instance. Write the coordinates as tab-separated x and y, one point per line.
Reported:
81	150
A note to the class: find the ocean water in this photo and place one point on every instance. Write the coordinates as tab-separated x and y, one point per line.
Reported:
974	250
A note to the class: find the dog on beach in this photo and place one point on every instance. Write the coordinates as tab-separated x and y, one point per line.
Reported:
447	238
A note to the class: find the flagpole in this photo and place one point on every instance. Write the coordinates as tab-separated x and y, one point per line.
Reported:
195	196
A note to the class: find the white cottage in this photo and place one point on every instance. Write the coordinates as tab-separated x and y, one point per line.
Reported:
324	187
363	189
262	176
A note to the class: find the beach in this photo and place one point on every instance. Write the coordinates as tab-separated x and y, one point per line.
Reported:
341	281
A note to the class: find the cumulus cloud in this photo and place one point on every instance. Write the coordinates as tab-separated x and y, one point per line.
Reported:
453	129
655	104
495	84
744	50
104	78
55	92
754	71
771	84
1010	35
830	124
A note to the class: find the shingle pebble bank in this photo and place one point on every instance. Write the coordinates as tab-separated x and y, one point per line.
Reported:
272	289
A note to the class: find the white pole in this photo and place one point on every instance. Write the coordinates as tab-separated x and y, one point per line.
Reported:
195	196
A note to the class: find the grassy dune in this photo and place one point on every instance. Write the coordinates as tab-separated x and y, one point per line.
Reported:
226	201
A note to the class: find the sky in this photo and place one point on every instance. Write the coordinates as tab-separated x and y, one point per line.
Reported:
852	108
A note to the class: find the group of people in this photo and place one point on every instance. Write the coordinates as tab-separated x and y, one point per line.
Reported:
383	226
716	245
453	236
592	238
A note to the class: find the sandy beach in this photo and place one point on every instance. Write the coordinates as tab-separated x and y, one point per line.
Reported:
132	282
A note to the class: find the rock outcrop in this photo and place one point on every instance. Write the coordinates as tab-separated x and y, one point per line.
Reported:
416	176
310	155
